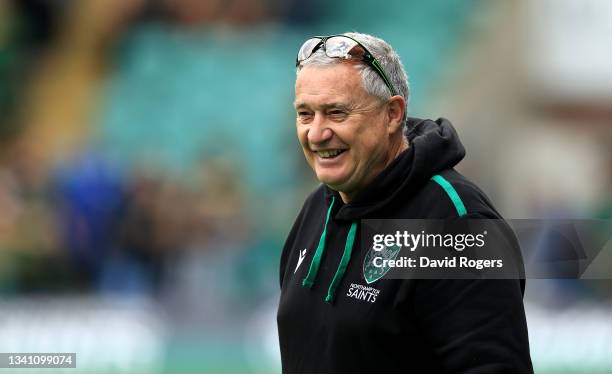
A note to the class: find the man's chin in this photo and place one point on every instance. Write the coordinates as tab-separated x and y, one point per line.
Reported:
333	183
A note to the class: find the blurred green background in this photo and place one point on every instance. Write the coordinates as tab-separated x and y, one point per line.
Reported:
149	169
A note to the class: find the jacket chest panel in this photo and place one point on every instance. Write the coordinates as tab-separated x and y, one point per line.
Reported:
359	308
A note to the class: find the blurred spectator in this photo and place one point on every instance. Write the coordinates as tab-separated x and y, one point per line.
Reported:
91	198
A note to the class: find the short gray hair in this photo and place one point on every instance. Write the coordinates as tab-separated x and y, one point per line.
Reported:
372	82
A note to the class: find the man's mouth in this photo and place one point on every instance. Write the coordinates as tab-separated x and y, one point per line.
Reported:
331	153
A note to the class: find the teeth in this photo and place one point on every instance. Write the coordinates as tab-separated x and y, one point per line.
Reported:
331	153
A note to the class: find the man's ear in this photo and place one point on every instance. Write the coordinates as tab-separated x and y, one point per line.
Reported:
395	110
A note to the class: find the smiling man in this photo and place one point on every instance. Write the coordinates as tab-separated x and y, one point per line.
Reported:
348	136
336	316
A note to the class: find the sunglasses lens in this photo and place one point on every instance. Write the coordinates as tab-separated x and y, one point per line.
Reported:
357	52
340	46
307	48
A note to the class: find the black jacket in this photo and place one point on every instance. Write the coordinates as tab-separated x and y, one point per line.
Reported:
395	326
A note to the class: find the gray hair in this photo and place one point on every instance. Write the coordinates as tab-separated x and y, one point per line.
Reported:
372	82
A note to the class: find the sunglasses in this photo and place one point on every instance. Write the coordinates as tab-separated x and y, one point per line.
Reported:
342	46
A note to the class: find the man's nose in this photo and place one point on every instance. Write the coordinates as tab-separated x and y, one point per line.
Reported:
319	131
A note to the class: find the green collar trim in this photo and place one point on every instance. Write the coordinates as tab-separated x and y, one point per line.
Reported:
346	257
316	259
452	194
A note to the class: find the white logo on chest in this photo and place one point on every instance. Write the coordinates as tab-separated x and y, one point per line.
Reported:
363	293
302	256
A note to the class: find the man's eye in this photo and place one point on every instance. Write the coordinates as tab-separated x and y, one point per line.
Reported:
304	116
337	113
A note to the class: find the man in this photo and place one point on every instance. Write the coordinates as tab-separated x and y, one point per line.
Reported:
373	161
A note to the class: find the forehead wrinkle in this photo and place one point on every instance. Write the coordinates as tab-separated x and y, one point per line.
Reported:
326	106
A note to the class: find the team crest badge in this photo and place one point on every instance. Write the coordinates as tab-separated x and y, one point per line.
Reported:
372	273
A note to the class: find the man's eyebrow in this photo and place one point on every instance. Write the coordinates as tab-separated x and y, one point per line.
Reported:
344	106
299	105
339	105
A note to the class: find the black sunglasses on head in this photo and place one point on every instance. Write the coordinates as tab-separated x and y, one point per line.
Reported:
342	46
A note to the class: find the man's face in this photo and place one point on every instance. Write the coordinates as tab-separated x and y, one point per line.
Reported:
343	131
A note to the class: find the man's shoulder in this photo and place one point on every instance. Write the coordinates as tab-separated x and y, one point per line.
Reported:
316	196
314	202
450	192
